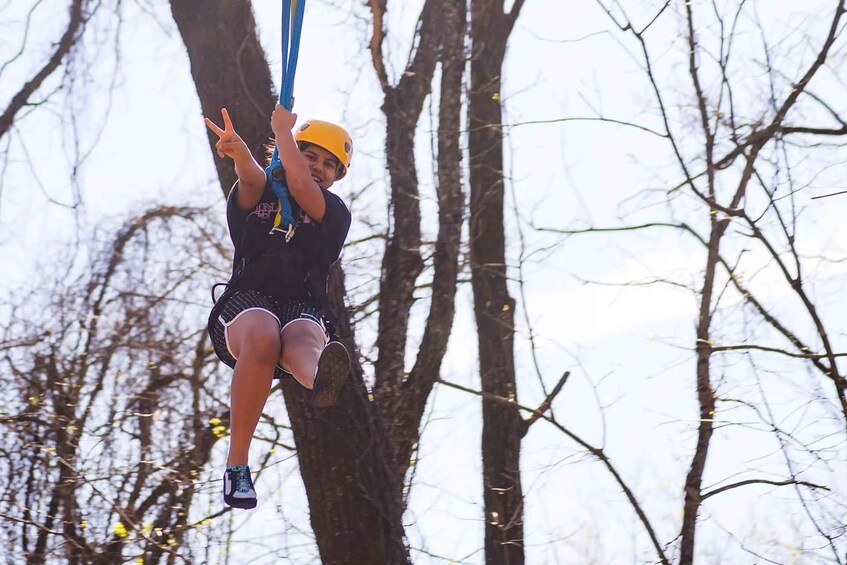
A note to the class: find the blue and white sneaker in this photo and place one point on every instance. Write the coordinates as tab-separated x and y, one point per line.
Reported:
238	487
333	368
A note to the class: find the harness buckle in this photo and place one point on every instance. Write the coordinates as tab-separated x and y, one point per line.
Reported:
289	233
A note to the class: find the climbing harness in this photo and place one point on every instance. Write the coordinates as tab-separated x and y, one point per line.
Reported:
334	138
292	24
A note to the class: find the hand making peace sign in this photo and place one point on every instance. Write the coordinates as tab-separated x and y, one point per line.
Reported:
229	143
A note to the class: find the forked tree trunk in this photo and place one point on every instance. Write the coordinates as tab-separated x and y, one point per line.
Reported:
354	515
402	397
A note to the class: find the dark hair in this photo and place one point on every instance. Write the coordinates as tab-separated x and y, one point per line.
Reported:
302	146
270	145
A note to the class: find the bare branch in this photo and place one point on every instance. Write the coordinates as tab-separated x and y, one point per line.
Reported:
67	41
378	8
545	406
749	347
595	451
762	482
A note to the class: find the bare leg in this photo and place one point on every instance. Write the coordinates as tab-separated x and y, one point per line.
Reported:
302	343
254	341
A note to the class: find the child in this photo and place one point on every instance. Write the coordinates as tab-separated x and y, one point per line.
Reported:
272	318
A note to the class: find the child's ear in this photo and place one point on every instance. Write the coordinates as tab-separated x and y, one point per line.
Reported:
340	174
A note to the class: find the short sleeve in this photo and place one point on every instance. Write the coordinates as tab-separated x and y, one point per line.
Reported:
235	216
334	227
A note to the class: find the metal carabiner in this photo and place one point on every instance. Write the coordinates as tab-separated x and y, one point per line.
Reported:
289	233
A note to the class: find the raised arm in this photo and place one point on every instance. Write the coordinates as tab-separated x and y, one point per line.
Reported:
251	176
298	174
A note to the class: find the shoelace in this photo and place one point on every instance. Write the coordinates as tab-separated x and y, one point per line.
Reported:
242	481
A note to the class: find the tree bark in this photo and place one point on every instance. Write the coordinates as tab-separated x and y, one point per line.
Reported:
451	205
402	262
494	308
230	70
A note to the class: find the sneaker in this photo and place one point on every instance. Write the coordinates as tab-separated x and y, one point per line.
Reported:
238	487
333	368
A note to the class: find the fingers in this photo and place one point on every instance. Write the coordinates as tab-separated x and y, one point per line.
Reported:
229	148
228	141
227	121
228	129
282	118
211	125
290	106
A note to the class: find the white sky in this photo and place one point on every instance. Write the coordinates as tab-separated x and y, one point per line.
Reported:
628	348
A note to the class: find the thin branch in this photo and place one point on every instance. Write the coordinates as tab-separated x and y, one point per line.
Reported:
595	451
830	194
762	482
69	38
585	119
776	350
378	8
545	406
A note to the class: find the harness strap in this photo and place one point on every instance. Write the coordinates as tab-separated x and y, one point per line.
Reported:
316	285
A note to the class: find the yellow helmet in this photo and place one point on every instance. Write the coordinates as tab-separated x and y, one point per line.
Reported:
331	137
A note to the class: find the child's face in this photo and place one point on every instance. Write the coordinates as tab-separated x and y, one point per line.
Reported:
323	165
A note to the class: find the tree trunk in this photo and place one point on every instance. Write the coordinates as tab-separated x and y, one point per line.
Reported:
706	399
230	70
494	309
343	460
402	262
451	205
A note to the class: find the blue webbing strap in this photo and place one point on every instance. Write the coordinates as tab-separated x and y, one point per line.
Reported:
284	220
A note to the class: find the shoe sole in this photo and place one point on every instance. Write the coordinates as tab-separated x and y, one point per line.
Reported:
245	504
333	368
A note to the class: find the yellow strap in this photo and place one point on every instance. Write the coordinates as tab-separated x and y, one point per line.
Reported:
278	218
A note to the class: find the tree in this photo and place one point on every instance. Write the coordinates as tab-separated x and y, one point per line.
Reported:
354	459
343	454
106	460
494	309
389	426
102	451
743	171
402	397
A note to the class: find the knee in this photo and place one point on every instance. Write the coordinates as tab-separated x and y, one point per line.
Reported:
260	343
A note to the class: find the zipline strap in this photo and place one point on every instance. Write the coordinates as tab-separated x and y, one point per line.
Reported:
292	25
297	8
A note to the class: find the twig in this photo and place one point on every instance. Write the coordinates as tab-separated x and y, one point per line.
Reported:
828	195
763	482
545	406
595	451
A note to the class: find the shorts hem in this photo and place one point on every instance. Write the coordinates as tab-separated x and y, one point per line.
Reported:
226	325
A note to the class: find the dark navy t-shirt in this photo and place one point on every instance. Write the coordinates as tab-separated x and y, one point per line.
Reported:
278	268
